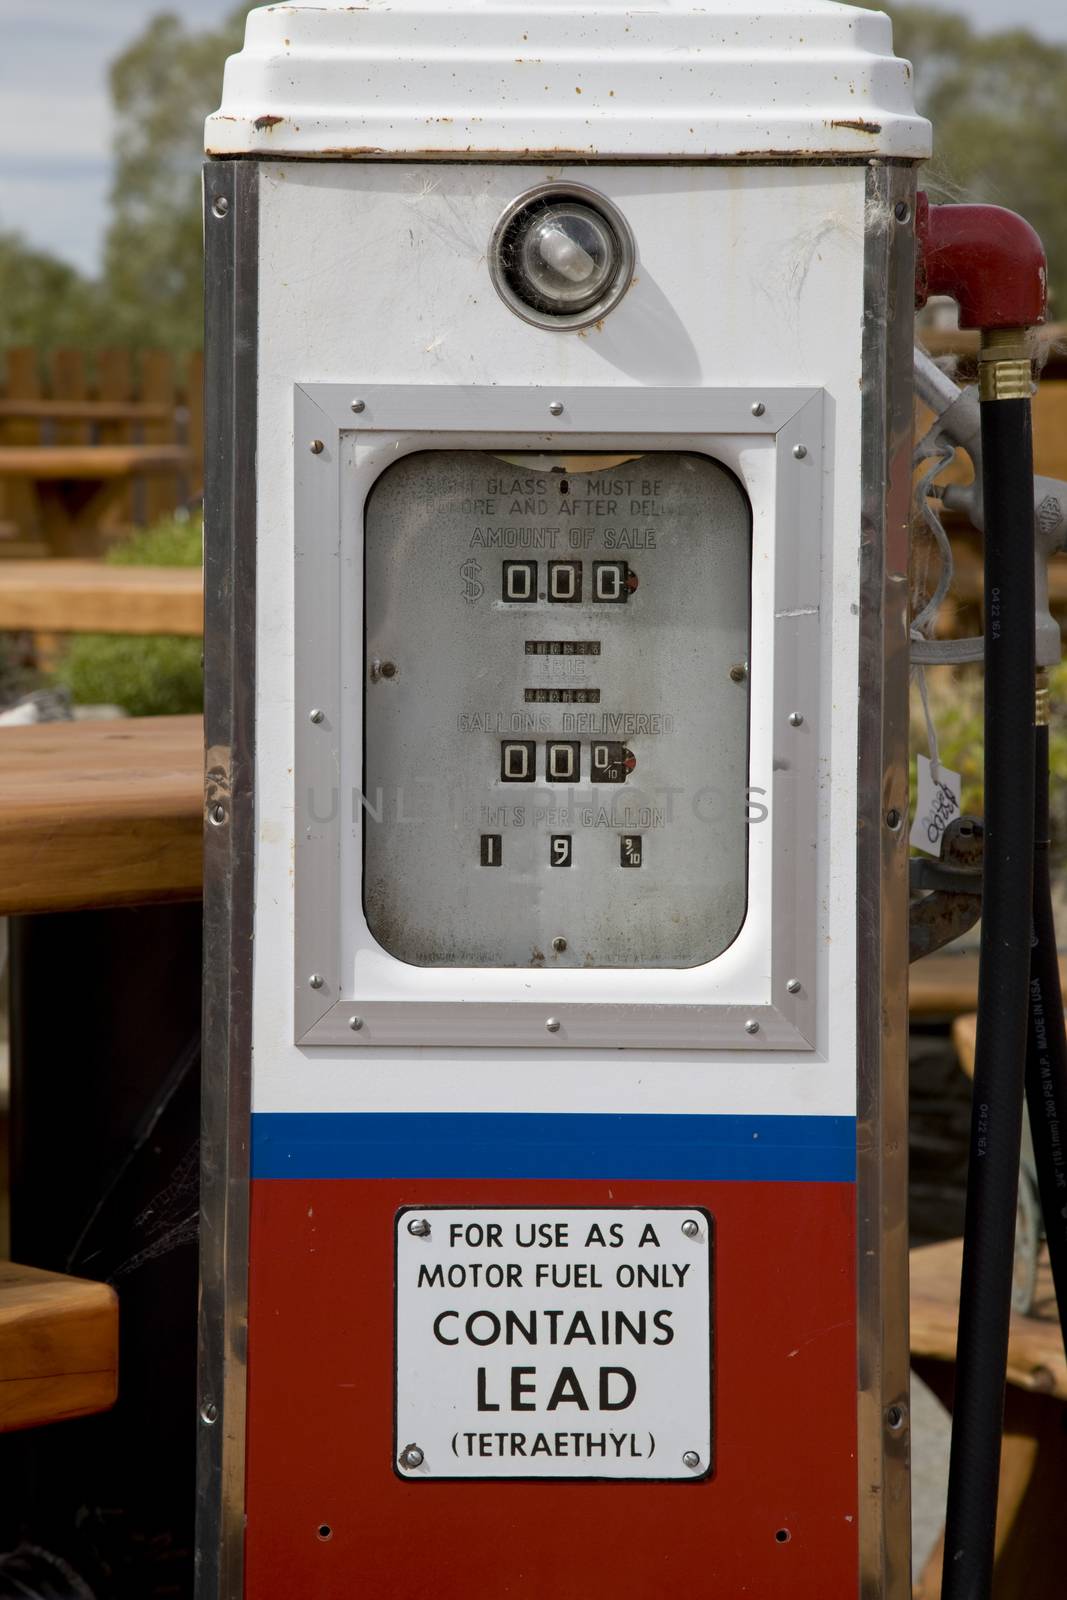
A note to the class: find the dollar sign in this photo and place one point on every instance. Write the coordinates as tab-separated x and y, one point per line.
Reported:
470	572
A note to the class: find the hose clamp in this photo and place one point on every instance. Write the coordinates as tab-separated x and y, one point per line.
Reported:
1004	365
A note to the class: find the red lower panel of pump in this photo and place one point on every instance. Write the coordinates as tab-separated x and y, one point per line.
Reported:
329	1518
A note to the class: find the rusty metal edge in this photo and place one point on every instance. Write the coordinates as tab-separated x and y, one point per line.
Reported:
567	157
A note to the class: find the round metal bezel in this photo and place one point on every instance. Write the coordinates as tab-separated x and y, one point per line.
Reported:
615	290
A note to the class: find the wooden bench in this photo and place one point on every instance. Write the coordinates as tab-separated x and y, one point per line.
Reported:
84	411
91	815
1033	1474
1033	1471
942	987
100	813
113	401
66	596
89	462
59	1347
75	485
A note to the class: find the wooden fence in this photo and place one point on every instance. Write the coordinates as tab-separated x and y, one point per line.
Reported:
129	425
130	428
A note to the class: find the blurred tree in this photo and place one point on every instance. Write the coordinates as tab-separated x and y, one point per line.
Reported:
44	301
998	103
162	88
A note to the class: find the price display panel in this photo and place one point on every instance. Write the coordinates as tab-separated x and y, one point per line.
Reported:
556	709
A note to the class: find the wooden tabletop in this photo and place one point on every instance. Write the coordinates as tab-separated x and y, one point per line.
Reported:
109	813
65	596
89	461
1036	1360
100	813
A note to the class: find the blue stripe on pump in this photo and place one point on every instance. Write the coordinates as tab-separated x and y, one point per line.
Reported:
446	1144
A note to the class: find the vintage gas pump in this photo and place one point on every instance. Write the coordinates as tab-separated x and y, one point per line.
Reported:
559	423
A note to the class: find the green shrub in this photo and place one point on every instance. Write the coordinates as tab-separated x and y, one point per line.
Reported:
148	675
177	542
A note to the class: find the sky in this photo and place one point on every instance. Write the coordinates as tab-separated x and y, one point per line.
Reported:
55	124
55	120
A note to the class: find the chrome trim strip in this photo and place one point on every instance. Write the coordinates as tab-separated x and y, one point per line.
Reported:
882	929
515	1024
231	190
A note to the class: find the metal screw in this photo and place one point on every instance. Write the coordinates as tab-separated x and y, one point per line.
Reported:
559	945
793	986
316	447
355	1023
358	406
411	1456
751	1026
388	669
220	205
758	408
738	672
796	719
690	1459
218	815
316	980
316	715
902	211
690	1228
800	451
892	818
419	1227
209	1412
895	1418
556	408
552	1024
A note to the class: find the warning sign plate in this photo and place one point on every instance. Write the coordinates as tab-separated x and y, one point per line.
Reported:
553	1343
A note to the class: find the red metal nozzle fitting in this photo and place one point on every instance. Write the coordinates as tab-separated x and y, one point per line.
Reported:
989	260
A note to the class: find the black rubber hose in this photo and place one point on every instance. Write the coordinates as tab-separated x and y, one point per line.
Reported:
1046	1049
1003	980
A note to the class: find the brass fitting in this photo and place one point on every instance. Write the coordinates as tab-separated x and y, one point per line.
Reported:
1004	364
1041	699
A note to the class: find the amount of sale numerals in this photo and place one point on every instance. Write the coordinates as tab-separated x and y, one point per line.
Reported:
613	582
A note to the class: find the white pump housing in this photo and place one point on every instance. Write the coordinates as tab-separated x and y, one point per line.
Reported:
796	78
558	400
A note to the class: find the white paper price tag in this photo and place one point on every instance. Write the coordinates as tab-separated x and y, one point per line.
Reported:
937	804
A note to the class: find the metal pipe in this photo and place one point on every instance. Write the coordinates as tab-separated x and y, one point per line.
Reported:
935	388
989	260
